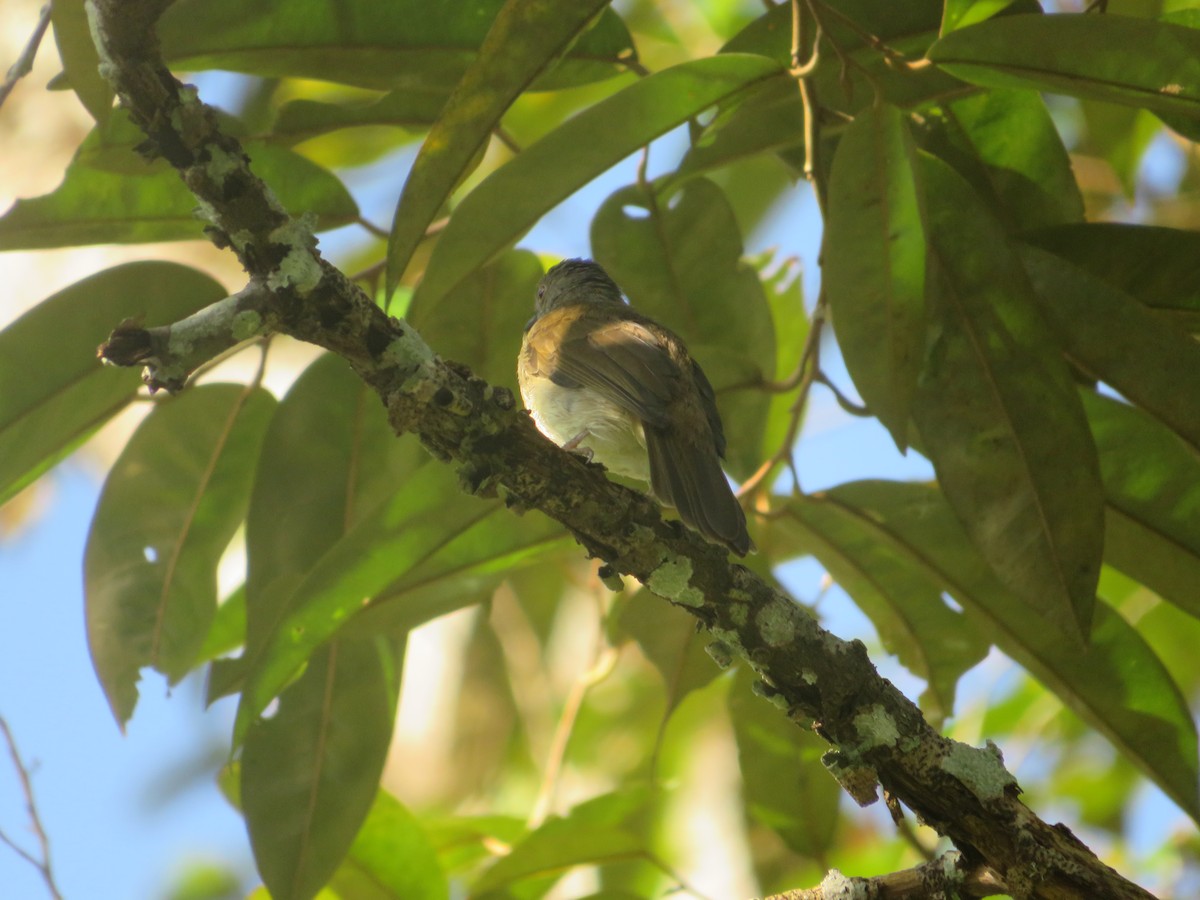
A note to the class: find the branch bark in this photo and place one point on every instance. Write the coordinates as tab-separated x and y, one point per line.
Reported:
879	737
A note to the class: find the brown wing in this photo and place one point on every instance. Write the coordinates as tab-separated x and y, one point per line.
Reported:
623	360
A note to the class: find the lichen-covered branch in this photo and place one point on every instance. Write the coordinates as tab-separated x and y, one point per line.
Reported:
879	736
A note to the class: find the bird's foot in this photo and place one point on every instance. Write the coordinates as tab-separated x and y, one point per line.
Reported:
572	446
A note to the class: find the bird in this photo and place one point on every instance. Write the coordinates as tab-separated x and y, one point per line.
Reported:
601	379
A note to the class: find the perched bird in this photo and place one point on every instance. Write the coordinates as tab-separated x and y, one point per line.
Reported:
601	378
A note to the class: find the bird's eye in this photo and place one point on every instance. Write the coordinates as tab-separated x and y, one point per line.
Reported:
541	291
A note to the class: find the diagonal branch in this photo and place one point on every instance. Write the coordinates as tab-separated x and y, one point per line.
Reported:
815	678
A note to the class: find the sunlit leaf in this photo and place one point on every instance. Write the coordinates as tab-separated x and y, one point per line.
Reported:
784	784
47	410
392	857
169	508
999	416
873	262
1137	62
1116	684
678	259
1116	340
784	291
309	773
1152	485
599	831
1007	146
95	207
512	199
525	38
961	13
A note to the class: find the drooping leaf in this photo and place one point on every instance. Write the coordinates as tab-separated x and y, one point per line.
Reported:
95	207
385	46
392	857
873	262
1116	684
1152	485
169	507
1137	62
1007	146
47	410
999	416
784	784
905	605
497	301
678	259
511	200
80	60
526	36
1159	267
1115	339
310	772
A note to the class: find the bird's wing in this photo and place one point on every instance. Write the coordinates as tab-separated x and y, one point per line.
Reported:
623	360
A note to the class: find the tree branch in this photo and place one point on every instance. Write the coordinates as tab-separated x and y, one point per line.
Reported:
24	63
880	737
35	820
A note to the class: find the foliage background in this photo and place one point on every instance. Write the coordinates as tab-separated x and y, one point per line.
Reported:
1128	168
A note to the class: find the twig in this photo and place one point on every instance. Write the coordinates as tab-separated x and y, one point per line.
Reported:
42	865
843	401
944	877
24	64
372	227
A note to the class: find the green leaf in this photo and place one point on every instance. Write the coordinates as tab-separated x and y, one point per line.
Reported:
1152	485
392	857
1007	146
510	201
873	262
784	290
525	38
310	772
961	13
50	403
80	60
1136	62
1116	684
497	300
385	46
1159	267
783	782
95	207
1116	340
402	531
668	638
303	119
330	435
678	259
1000	418
169	508
599	831
904	604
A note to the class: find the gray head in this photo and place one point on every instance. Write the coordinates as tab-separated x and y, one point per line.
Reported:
575	281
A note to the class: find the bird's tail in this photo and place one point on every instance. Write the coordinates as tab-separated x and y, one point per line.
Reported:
690	478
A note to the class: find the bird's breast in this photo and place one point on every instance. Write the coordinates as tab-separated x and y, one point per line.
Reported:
614	435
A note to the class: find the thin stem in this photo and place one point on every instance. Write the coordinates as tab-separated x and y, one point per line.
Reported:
601	668
503	136
24	64
372	227
43	865
855	409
